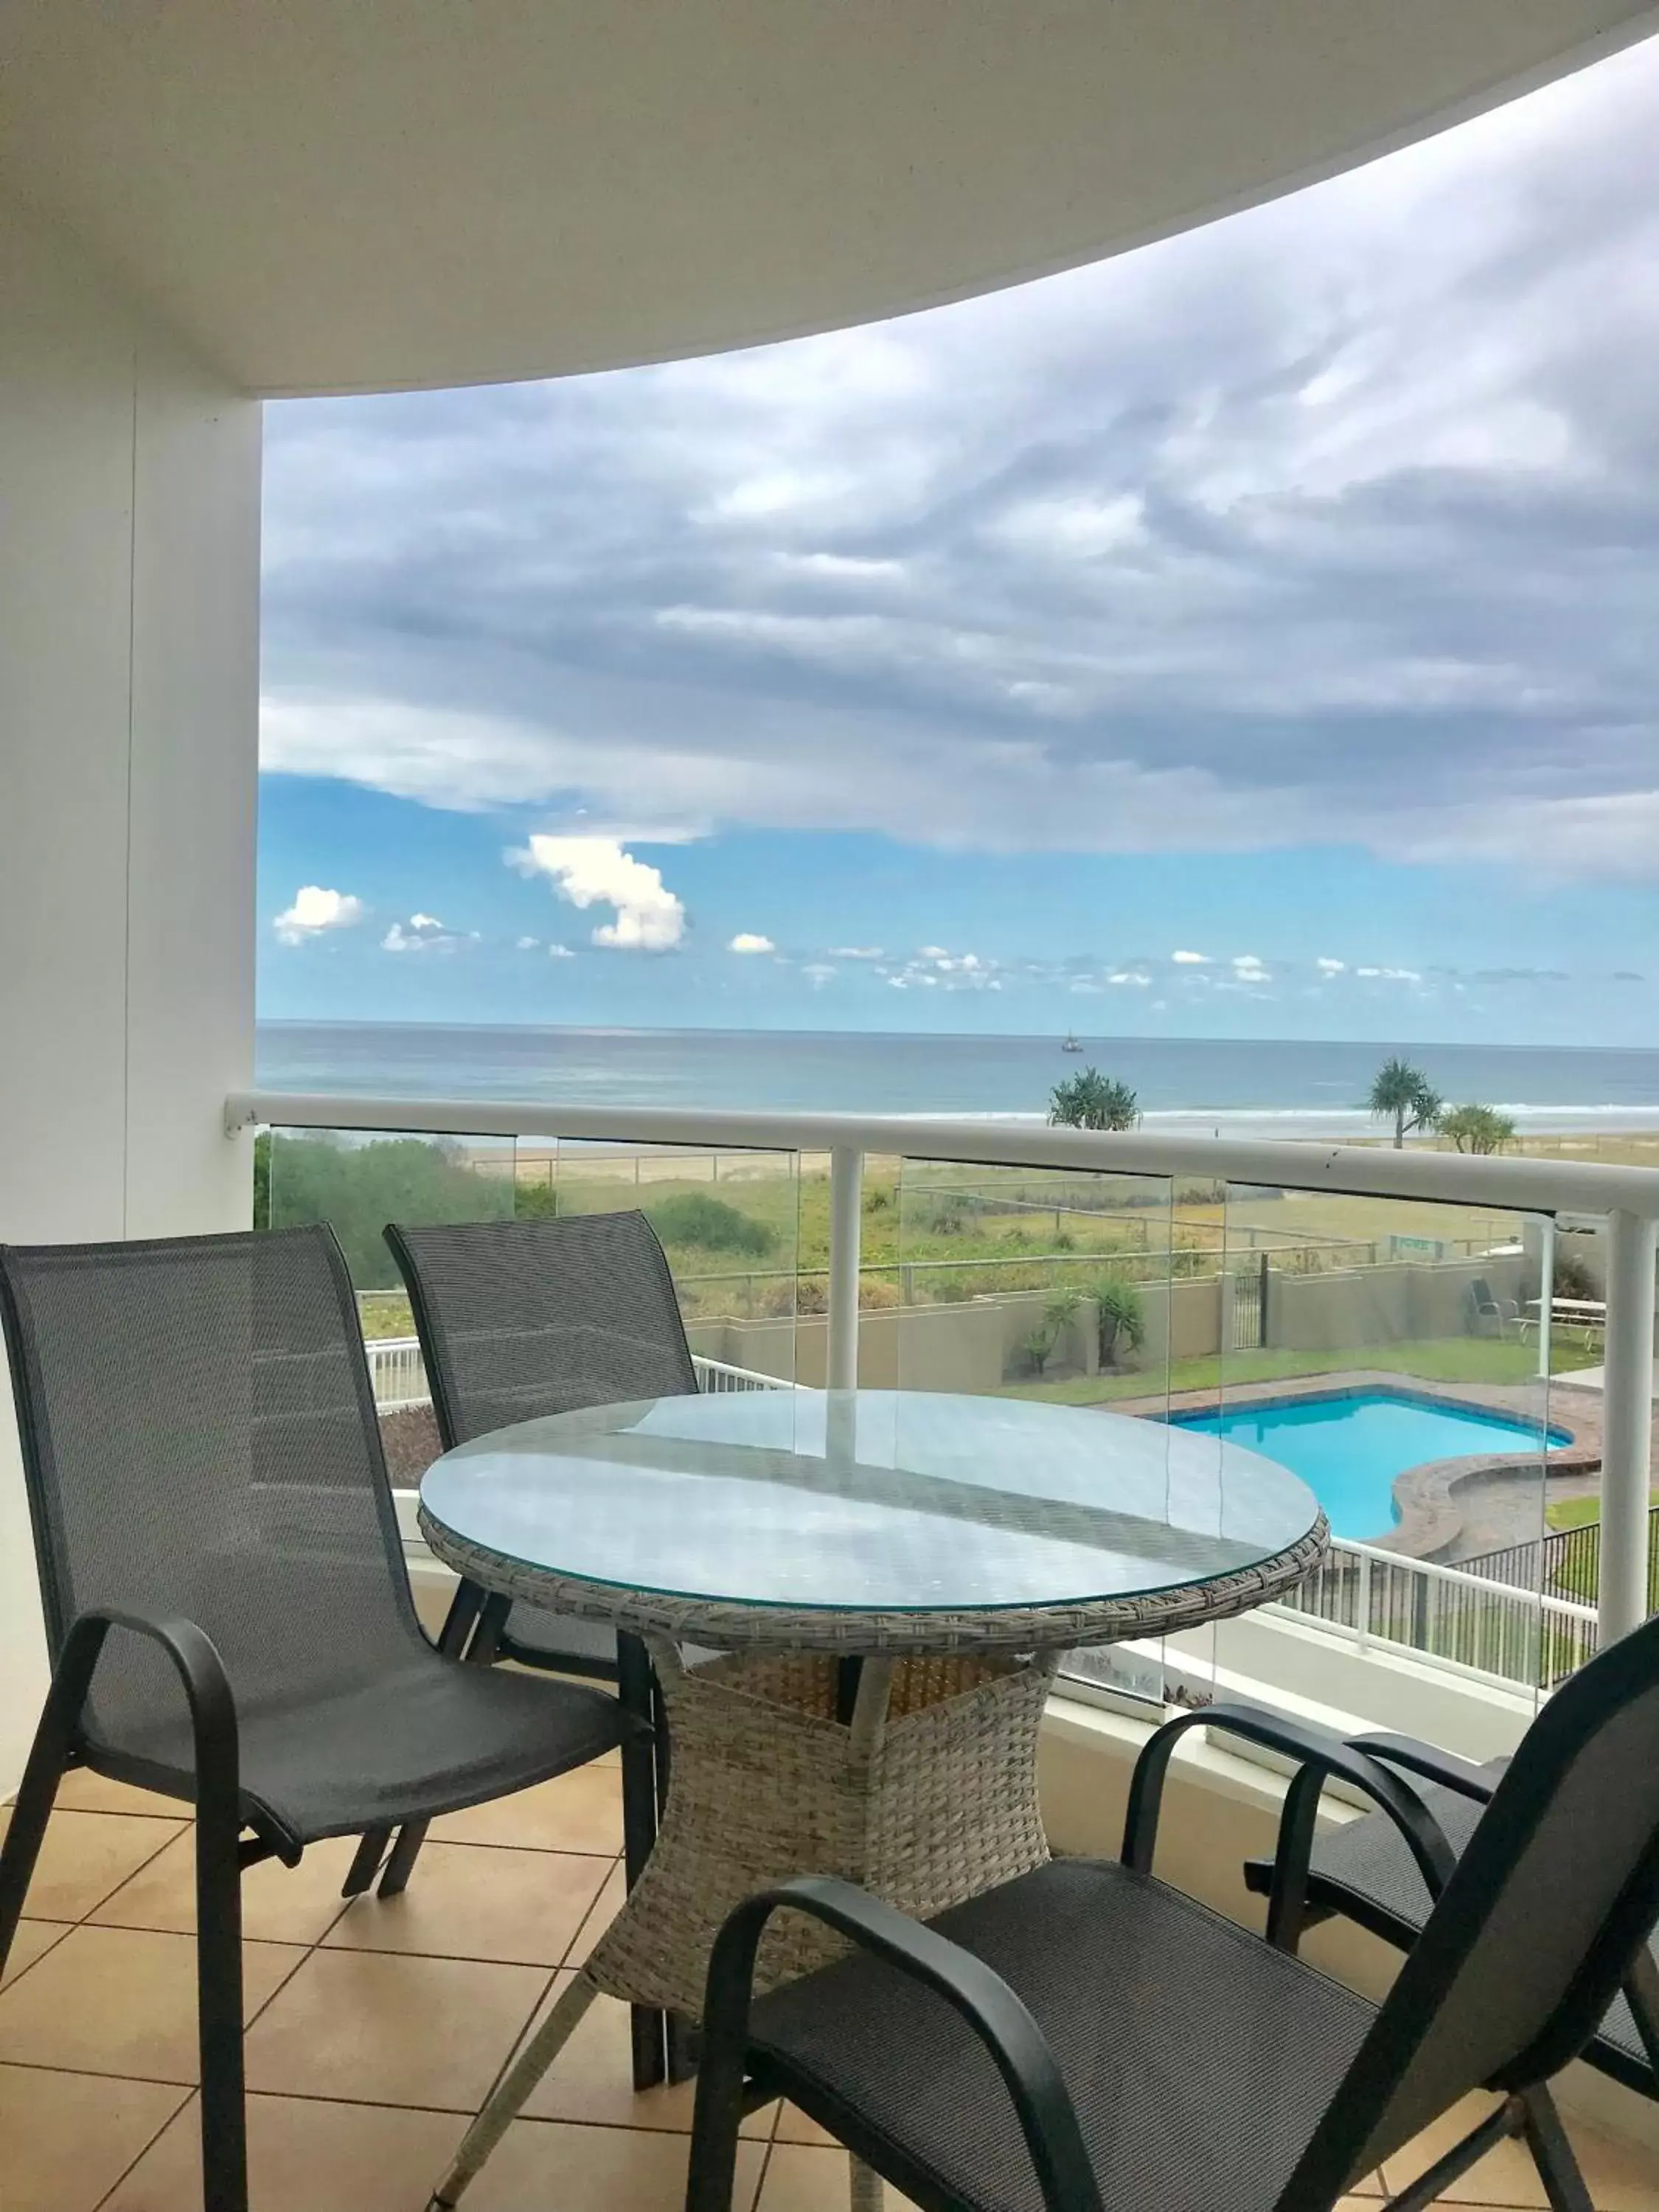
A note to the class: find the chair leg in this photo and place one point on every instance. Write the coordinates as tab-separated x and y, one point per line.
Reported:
712	2168
360	1874
33	1809
636	1689
458	1624
219	2007
1557	2169
48	1754
401	1864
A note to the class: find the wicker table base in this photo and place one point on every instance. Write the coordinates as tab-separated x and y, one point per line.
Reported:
927	1797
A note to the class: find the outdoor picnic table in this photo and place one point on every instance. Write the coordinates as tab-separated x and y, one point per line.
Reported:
1588	1313
893	1578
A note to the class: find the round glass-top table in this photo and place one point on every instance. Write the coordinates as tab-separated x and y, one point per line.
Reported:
871	1521
933	1554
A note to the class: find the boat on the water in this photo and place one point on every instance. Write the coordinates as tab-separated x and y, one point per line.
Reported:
1070	1044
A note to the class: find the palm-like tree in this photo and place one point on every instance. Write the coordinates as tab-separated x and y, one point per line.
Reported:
1090	1100
1476	1128
1404	1092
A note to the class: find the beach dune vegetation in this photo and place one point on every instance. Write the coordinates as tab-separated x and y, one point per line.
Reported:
1090	1100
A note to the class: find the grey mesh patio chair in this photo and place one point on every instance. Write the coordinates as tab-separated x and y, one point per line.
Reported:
1086	2036
520	1319
1486	1307
1364	1872
227	1607
517	1319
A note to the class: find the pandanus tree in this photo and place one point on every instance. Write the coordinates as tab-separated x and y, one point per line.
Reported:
1476	1128
1403	1093
1090	1100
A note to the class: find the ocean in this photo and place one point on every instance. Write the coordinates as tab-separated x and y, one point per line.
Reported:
1231	1087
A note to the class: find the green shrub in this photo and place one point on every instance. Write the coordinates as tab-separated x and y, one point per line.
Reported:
691	1216
1122	1317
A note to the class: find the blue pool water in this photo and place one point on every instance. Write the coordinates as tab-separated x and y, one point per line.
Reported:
1349	1449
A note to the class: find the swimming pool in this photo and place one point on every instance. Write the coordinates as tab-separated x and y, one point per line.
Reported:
1348	1448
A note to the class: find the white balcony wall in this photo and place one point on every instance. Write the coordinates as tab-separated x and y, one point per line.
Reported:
129	663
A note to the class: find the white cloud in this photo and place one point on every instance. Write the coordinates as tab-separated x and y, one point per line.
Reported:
932	952
1132	977
1248	970
1329	967
818	972
423	933
560	953
527	944
597	872
746	941
1190	959
855	952
314	910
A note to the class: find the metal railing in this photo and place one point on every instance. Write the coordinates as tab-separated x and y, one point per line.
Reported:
1448	1616
1626	1198
1567	1562
397	1374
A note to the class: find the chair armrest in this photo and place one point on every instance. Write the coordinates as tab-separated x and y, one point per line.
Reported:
1432	1763
213	1733
997	2017
1322	1755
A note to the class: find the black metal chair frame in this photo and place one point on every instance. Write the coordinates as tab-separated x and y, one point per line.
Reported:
223	1812
1324	1899
477	1628
736	2077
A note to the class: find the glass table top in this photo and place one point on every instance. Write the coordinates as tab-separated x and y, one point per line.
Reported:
868	1501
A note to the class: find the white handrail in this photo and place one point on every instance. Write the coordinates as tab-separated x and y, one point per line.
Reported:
1434	1571
1523	1186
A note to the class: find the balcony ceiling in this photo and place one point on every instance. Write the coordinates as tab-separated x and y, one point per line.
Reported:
357	195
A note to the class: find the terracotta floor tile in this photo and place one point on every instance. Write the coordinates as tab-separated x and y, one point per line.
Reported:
592	2079
280	1905
793	2126
1621	2176
86	1855
539	2164
68	2137
83	1791
303	2155
579	1812
606	1908
122	2001
471	1901
385	2028
803	2179
33	1939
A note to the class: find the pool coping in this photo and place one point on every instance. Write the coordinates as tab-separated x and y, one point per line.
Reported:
1430	1497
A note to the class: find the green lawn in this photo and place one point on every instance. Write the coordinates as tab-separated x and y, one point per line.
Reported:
1449	1359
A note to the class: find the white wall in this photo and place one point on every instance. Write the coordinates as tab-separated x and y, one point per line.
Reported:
128	665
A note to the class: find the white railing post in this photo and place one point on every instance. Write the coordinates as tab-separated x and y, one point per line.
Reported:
1626	1426
1362	1602
846	1221
1546	1296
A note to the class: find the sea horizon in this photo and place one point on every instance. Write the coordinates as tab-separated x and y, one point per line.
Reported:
1229	1087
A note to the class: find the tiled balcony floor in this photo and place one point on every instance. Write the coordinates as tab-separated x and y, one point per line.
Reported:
376	2030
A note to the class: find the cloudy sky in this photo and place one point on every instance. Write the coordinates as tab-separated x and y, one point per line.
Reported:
1257	635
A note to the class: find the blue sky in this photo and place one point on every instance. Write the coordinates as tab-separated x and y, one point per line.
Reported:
1250	636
